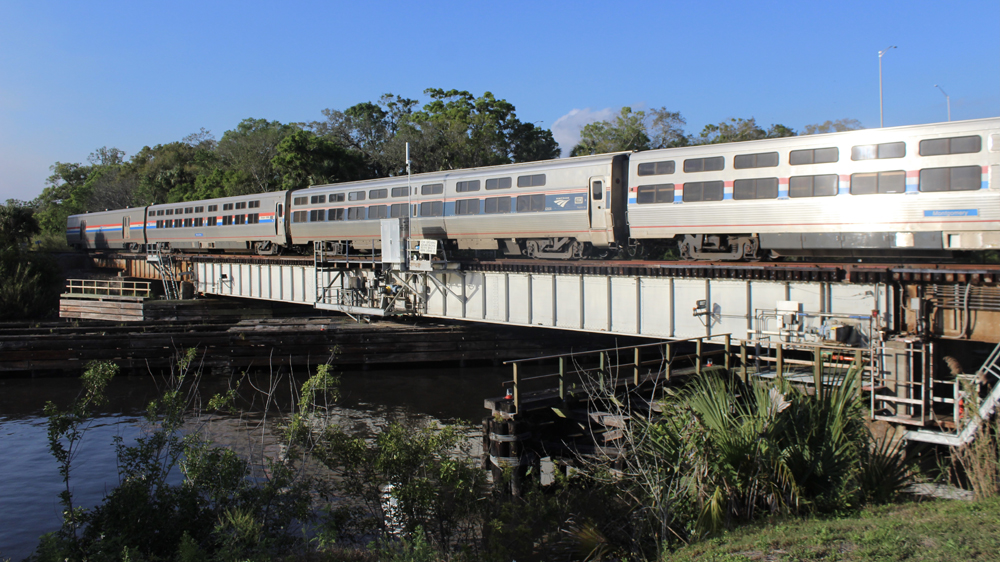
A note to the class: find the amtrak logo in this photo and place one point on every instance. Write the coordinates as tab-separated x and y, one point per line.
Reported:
561	201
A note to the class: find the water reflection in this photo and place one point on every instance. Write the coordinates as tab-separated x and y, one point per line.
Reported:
31	483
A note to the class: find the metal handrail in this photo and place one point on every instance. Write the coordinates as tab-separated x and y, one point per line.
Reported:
107	287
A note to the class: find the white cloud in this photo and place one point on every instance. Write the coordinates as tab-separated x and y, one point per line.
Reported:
566	129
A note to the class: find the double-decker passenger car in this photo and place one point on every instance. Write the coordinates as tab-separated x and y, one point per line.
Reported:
246	223
897	190
551	209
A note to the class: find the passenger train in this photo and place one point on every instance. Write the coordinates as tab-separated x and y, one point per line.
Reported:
921	189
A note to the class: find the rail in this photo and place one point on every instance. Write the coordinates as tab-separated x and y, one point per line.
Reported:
108	288
582	365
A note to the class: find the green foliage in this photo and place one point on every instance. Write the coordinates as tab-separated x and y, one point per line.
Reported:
224	508
845	124
304	159
434	485
65	431
738	130
17	223
627	132
725	453
249	149
414	549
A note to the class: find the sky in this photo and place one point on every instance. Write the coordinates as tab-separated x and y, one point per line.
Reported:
77	76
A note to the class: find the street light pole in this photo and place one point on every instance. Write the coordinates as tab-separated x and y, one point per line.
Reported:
881	122
947	99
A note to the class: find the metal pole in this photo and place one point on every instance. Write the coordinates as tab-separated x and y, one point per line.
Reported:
881	122
947	100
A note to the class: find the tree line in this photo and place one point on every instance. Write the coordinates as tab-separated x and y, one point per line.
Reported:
453	129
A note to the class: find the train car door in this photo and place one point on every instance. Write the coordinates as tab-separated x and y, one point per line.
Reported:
126	228
83	233
598	211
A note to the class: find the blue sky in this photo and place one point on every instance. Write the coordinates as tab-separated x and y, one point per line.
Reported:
75	76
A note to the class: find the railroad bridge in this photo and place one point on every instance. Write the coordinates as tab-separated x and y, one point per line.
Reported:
922	333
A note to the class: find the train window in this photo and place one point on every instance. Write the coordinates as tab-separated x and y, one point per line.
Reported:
761	160
300	201
467	207
400	191
659	193
498	183
878	151
377	211
178	223
432	189
159	213
199	221
656	168
497	205
227	206
227	220
356	213
297	216
464	186
253	218
710	164
335	214
239	219
211	221
432	208
881	182
170	212
188	210
241	204
317	199
213	208
959	178
378	193
199	209
954	145
536	180
317	215
703	191
397	210
813	186
159	224
255	204
336	197
188	223
597	190
530	203
356	196
167	224
760	188
814	156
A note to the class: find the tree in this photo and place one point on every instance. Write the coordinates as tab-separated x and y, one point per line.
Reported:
249	150
369	129
17	223
305	159
667	129
738	130
627	132
845	124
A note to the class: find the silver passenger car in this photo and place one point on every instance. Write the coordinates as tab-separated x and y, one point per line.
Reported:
253	223
894	190
550	209
107	230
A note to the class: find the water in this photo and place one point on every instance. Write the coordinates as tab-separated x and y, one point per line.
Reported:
29	503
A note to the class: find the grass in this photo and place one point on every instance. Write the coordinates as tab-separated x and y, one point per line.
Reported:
931	530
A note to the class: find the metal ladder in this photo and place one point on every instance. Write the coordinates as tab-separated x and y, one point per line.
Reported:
163	261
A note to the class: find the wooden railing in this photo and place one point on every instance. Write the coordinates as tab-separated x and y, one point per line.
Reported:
107	288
